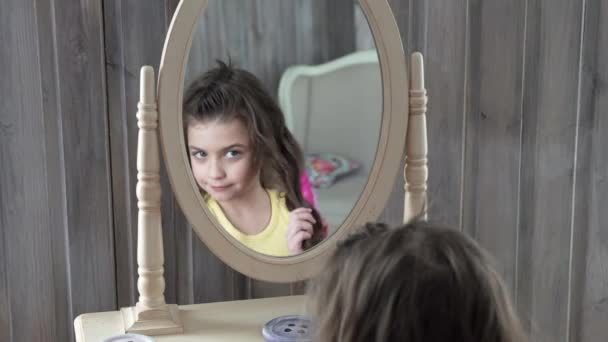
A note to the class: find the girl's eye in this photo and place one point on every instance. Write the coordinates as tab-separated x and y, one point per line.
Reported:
233	154
199	154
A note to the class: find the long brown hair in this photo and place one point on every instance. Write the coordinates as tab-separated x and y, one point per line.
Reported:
226	93
413	283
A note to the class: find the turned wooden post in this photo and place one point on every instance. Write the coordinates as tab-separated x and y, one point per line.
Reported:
151	315
416	170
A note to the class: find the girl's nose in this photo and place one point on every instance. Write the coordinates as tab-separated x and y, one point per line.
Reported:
216	171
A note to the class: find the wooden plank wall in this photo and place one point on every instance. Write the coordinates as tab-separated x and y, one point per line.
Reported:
57	250
515	131
516	127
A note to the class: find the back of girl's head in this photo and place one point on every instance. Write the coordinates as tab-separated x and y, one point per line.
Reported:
414	283
226	93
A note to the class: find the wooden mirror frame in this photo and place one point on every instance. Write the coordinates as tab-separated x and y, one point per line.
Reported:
382	175
151	315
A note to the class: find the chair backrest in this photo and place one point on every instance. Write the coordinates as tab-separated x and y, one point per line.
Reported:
336	106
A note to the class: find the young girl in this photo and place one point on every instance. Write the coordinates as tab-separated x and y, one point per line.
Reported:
247	163
414	283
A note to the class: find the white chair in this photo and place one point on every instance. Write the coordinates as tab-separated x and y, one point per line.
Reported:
336	107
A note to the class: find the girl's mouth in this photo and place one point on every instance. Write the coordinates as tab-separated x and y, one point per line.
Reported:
219	188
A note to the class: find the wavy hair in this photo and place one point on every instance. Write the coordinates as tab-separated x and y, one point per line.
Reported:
414	283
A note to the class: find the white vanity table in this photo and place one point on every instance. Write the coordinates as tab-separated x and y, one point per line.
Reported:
402	135
222	321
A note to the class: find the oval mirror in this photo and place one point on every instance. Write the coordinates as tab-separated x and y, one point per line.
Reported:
289	89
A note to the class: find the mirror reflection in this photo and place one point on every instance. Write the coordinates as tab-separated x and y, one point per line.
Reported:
282	118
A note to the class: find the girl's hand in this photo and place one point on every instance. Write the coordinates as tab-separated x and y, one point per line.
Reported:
299	229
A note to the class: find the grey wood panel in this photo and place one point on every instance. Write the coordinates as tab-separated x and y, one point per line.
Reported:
411	20
418	25
444	52
131	43
84	132
523	287
334	22
213	281
498	136
401	10
23	195
585	323
555	62
589	311
267	36
170	7
54	181
5	308
470	188
393	210
184	283
123	194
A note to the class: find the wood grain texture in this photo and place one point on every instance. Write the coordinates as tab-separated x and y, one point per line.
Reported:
26	251
55	166
212	279
584	294
495	157
267	36
589	309
523	287
471	120
58	260
130	43
84	131
5	311
444	53
526	178
551	109
412	19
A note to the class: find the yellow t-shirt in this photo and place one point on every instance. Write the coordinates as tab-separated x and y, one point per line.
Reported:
272	240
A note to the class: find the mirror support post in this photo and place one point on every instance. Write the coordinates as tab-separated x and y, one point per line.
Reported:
151	315
416	169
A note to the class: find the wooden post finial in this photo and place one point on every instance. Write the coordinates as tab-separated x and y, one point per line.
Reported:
151	315
416	169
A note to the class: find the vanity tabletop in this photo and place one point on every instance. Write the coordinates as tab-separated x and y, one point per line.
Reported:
223	321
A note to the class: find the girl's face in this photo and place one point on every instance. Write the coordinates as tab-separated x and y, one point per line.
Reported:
221	156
